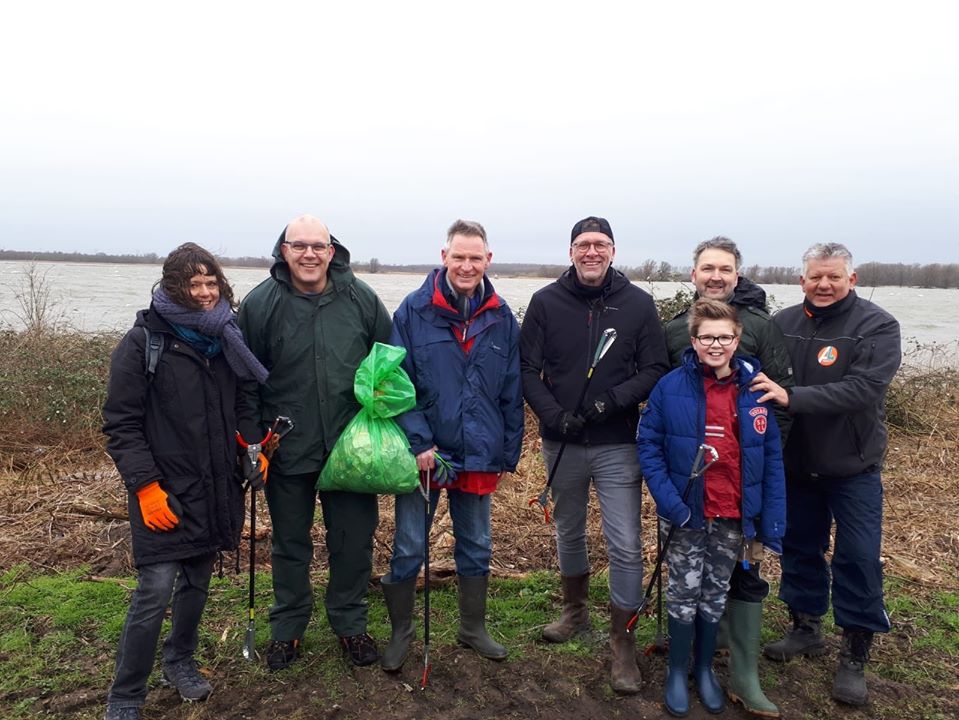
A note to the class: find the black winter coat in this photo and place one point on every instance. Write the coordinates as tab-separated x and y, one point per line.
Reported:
178	428
843	365
558	338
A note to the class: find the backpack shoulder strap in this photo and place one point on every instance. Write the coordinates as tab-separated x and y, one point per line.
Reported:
154	346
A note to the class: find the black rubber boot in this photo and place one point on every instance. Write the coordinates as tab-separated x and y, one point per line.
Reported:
472	632
400	599
575	616
849	685
804	639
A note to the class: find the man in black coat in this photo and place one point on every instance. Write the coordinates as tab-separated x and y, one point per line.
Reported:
845	351
561	330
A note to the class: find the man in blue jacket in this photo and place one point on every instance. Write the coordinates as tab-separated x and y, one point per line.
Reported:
845	351
466	430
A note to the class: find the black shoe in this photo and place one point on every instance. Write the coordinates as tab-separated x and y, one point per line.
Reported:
849	685
280	654
187	680
361	649
122	713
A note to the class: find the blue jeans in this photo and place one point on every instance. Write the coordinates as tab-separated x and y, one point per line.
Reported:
188	582
471	530
855	503
614	472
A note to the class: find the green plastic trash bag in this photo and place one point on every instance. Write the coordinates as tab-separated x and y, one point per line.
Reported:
372	455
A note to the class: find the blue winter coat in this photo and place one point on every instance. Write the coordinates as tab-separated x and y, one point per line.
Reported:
469	405
671	429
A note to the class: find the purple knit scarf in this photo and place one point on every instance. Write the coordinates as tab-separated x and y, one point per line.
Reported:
218	322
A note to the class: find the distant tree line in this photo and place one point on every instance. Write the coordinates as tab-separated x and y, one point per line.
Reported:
934	275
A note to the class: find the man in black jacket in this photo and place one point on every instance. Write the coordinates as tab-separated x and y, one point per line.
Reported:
845	352
715	274
559	336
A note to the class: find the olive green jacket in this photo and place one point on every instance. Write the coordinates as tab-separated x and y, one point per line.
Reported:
761	339
312	346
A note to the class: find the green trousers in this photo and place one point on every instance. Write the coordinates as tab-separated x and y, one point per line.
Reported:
350	519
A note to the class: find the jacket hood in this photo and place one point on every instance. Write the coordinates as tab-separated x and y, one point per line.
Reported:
748	294
338	271
746	367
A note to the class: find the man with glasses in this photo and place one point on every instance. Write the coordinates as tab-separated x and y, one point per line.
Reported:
560	333
845	351
715	274
310	324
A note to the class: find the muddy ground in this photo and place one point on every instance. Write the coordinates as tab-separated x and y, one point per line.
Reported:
54	521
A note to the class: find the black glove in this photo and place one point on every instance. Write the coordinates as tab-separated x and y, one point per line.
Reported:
600	409
255	475
570	425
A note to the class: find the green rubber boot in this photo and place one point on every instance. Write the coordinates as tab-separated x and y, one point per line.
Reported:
745	621
400	598
472	632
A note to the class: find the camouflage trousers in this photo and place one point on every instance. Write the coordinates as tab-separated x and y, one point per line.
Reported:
700	563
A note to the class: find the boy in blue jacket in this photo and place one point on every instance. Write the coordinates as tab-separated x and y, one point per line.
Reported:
739	498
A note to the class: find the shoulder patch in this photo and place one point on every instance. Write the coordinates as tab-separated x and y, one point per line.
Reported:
760	410
760	422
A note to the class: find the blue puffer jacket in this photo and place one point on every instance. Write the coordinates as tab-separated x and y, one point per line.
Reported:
671	429
468	405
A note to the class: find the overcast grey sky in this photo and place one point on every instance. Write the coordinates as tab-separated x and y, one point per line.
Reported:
132	127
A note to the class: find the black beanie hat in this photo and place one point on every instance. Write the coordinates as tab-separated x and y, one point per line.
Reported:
592	224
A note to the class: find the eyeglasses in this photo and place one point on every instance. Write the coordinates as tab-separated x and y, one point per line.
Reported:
300	247
708	340
600	246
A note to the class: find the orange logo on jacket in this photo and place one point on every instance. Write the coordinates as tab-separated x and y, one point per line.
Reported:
827	356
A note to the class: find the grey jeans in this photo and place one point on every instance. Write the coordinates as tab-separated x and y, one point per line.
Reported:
188	582
614	473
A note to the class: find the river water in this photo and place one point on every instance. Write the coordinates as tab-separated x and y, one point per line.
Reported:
99	297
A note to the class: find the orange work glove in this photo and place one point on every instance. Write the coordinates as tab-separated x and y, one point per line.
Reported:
257	474
155	506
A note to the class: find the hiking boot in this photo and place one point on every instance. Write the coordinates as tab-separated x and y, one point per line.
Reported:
804	639
849	685
280	654
360	649
122	713
574	619
624	675
187	680
472	604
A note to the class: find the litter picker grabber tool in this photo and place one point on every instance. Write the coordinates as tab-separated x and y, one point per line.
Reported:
699	467
425	490
281	426
606	341
659	642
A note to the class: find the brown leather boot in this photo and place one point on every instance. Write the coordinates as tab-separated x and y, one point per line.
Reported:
625	677
575	616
